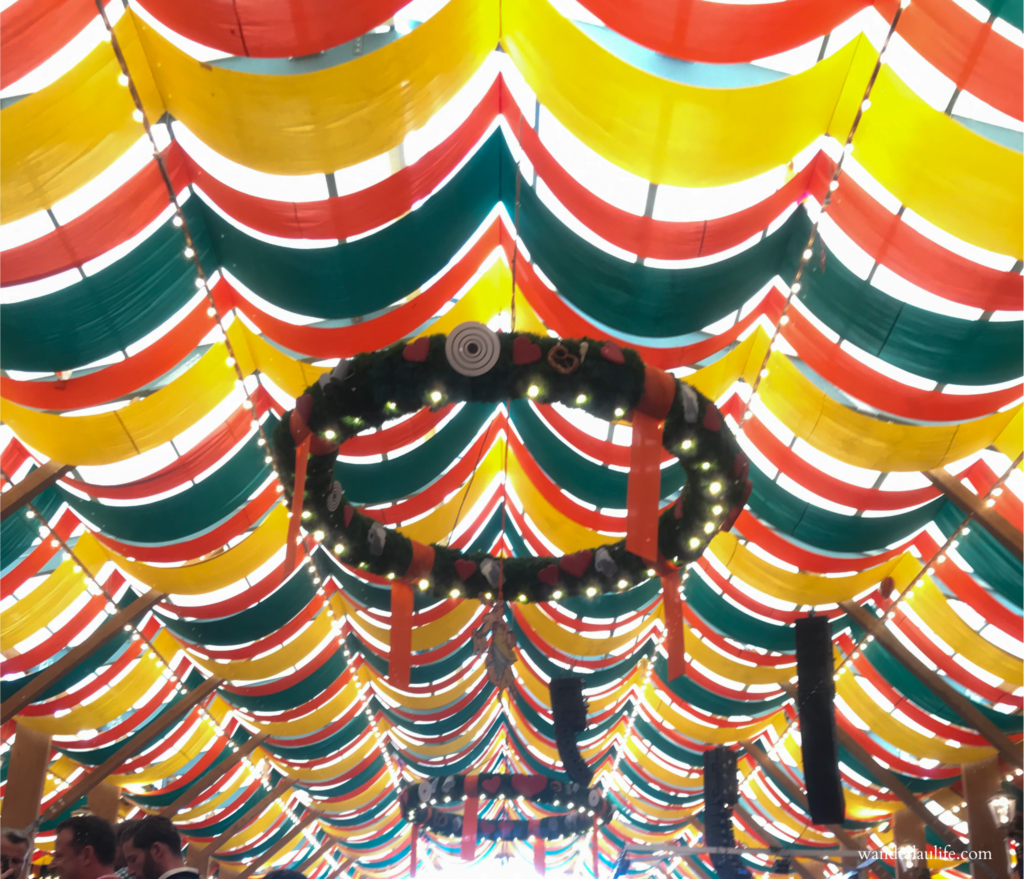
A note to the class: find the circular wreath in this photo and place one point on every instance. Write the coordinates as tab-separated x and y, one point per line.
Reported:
474	364
435	804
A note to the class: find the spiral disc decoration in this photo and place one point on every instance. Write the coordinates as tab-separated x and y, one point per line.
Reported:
569	809
473	364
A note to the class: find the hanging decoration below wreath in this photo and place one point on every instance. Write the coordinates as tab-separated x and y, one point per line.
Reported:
474	364
449	806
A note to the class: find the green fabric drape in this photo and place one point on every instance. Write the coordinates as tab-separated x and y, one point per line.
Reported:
18	531
104	313
828	530
192	512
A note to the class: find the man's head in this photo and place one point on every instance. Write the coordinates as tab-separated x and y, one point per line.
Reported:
84	848
152	848
13	853
124	830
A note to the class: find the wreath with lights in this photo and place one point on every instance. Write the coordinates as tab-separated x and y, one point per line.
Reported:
436	805
475	364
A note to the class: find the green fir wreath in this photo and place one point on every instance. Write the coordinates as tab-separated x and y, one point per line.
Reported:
474	364
436	804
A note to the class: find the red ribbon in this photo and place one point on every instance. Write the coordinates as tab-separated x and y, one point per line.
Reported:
643	492
673	607
400	656
594	852
469	817
412	851
539	848
301	456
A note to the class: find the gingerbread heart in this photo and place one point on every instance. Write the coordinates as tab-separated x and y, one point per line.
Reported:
525	351
416	352
491	785
712	420
549	575
347	514
577	563
677	509
529	785
465	569
612	353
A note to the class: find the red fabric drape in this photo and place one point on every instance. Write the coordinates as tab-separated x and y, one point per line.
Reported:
470	814
274	29
33	30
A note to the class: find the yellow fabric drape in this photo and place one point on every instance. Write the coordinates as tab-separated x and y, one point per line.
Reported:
803	589
933	609
897	733
53	596
318	122
55	141
107	708
210	575
965	184
665	131
685	135
269	666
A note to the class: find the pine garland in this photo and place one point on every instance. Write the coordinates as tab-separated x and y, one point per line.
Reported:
435	805
376	387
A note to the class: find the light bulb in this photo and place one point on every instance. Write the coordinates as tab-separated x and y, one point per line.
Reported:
694	542
622	584
424	584
808	253
833	186
619	412
556	594
189	253
532	391
435	396
177	221
581	399
865	105
137	115
591	591
796	287
329	434
715	487
122	79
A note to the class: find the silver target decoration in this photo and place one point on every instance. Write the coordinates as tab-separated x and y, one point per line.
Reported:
334	498
472	348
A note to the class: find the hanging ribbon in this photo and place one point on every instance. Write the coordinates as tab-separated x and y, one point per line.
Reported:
539	848
469	817
400	656
413	837
594	853
673	607
643	491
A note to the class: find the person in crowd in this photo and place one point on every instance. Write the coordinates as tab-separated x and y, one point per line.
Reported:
152	850
124	829
84	848
14	849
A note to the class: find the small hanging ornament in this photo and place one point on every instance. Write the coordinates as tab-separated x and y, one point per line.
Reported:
604	564
472	349
335	496
501	649
491	569
563	360
376	537
336	376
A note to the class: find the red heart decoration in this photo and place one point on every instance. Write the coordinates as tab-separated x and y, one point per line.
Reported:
677	510
612	353
712	420
549	575
577	563
525	351
304	406
465	569
886	586
416	352
529	785
491	785
347	515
